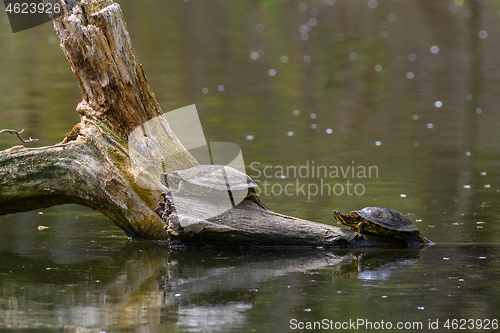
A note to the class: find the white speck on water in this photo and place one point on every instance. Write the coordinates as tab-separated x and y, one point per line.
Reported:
283	177
353	55
221	88
314	126
304	36
469	97
205	90
331	2
418	220
329	131
304	28
453	8
483	34
249	137
40	213
482	257
415	117
313	115
430	125
412	57
383	296
469	13
487	186
372	4
295	112
478	110
307	310
378	143
438	104
483	173
468	153
446	258
177	295
289	133
52	39
284	59
466	186
314	11
312	21
259	27
254	55
307	58
302	7
434	49
410	75
402	195
420	307
378	68
391	18
272	72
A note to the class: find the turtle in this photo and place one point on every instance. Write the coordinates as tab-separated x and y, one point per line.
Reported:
382	221
213	180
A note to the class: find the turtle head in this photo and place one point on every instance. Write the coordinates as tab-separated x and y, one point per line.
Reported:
171	180
344	219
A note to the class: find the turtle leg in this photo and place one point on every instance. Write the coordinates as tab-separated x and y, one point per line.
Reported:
359	231
181	189
423	239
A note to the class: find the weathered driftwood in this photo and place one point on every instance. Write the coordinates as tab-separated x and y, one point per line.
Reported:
92	165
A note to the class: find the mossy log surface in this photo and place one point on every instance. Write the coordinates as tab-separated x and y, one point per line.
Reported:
92	165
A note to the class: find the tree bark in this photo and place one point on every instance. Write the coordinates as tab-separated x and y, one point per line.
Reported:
92	165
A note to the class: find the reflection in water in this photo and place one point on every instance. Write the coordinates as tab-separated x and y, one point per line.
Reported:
148	286
377	264
216	318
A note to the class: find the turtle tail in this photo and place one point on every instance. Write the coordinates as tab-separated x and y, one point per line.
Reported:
256	198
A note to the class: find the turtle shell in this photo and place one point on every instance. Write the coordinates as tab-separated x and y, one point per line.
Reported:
387	217
216	177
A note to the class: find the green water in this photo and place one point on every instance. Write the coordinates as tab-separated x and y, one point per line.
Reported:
429	138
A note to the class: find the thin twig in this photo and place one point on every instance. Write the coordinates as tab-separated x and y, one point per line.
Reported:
17	133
